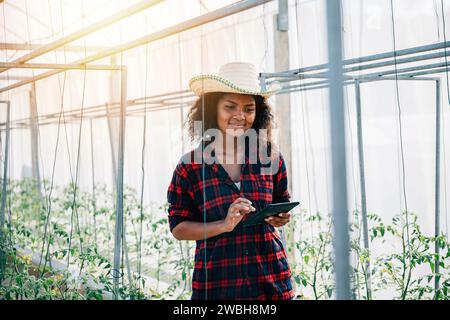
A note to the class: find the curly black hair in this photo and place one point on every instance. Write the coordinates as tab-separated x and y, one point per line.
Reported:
263	120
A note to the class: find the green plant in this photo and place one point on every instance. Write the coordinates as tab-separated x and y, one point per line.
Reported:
314	270
406	266
74	229
416	251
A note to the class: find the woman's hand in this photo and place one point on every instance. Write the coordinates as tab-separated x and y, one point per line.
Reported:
236	211
279	220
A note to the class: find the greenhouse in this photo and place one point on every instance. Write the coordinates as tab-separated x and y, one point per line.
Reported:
99	102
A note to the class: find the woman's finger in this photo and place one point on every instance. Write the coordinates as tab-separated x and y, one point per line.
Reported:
284	215
278	219
243	208
240	199
277	222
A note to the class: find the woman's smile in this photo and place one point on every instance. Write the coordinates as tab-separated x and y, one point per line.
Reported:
236	126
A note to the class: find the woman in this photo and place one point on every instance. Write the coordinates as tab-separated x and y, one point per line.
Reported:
210	196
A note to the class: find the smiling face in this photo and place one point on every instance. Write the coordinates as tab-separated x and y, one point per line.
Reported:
236	113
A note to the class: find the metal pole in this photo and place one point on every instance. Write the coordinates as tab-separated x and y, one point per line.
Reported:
111	143
5	168
183	147
437	186
283	111
339	185
34	140
116	94
282	16
127	260
262	82
94	204
119	206
4	189
363	188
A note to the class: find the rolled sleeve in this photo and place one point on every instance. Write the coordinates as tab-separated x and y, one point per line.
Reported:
180	198
280	183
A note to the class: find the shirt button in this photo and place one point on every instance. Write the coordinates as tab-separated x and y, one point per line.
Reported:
246	252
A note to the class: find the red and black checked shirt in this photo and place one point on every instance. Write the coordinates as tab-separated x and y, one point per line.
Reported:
249	262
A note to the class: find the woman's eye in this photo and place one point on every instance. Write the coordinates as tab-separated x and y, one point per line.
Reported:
229	107
250	110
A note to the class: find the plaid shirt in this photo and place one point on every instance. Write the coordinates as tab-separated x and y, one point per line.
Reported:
249	262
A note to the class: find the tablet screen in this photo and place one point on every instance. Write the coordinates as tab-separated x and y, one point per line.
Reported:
270	210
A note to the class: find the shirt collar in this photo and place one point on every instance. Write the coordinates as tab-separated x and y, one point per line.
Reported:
212	160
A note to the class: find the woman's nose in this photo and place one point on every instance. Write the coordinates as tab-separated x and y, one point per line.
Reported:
240	114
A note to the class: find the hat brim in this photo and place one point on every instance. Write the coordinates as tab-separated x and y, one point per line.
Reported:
213	83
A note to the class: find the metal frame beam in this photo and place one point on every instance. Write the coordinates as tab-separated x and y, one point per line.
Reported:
437	186
362	179
189	24
168	100
151	103
379	56
13	77
337	135
124	13
11	65
34	139
28	47
119	199
408	72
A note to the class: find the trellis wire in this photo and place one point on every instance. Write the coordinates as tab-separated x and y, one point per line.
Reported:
74	209
203	164
362	217
404	293
49	201
144	137
308	146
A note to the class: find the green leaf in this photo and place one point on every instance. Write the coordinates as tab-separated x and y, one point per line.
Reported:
329	292
306	259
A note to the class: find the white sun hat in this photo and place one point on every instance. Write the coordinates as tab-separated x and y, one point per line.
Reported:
233	77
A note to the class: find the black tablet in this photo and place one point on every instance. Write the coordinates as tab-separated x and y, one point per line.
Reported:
270	210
